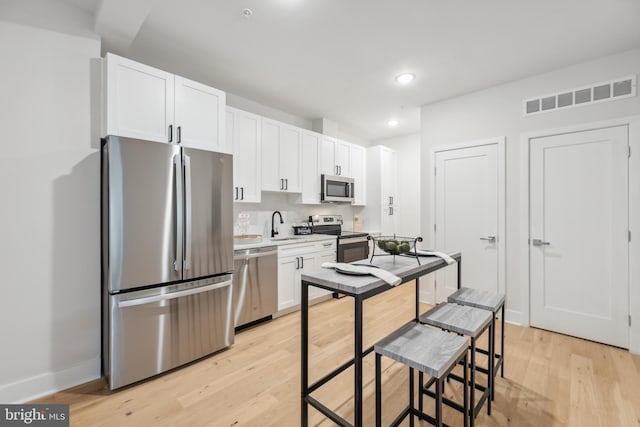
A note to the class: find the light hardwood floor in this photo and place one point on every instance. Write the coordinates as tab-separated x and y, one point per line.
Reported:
550	379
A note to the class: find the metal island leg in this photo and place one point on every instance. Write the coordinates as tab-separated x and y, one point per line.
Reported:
357	420
304	303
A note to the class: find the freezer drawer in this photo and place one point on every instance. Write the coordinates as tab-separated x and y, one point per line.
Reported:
155	330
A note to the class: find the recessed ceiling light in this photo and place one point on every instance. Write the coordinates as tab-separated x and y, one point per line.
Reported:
405	78
393	122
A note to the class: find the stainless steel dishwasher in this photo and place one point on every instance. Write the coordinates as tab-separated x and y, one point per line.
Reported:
255	284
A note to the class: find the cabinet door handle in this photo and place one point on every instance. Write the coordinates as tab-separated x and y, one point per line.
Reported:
241	193
281	184
179	134
236	193
170	133
297	263
390	210
286	183
302	259
339	170
336	169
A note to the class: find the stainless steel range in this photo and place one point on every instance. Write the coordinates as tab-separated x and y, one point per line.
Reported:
352	246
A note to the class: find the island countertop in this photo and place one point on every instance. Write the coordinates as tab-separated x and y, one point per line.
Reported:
405	267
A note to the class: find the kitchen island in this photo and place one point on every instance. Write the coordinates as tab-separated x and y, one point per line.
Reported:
359	288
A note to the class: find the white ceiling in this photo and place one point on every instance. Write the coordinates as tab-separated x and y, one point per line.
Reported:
338	58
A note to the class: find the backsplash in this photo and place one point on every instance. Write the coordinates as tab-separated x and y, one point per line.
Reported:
259	221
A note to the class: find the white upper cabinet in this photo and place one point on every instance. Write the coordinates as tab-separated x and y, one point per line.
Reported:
200	115
146	103
243	135
341	157
139	100
334	157
358	170
281	157
310	168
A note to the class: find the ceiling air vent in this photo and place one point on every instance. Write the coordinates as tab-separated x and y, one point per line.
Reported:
598	92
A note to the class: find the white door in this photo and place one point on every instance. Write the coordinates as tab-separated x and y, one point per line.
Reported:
467	196
199	115
579	234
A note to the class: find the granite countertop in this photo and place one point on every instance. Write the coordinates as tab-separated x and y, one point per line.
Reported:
293	240
401	266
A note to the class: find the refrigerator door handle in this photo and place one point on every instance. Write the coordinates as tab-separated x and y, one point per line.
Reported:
173	295
187	212
177	170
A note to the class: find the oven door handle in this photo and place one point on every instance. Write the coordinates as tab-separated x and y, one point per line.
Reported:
349	241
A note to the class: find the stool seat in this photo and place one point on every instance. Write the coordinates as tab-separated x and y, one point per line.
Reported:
428	350
491	301
461	319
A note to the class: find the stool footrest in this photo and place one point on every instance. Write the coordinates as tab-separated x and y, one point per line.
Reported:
401	417
450	403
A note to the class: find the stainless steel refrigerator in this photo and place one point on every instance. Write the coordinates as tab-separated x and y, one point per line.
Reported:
167	256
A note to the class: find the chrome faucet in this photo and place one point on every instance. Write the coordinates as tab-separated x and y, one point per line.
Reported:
273	216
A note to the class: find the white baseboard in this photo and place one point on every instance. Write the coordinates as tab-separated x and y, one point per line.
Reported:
426	297
45	384
516	317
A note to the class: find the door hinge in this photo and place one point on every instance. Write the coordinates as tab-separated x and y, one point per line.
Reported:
629	320
629	235
628	151
434	172
434	227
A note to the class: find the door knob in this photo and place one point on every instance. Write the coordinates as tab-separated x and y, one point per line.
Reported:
489	238
539	242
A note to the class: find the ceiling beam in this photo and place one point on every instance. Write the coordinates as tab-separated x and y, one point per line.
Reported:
118	21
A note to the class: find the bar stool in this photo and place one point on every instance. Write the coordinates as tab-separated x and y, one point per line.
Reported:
489	301
429	351
471	322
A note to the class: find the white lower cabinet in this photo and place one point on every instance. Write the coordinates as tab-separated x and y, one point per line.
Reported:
295	260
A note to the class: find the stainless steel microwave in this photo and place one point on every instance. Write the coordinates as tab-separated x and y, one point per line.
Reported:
336	189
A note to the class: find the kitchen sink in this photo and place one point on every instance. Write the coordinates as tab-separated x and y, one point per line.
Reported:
244	239
282	239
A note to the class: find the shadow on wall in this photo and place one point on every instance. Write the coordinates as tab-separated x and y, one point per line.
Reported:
75	311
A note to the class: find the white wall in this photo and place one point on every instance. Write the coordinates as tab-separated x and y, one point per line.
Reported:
49	221
498	112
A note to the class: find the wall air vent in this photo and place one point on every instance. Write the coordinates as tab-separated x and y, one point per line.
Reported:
586	95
